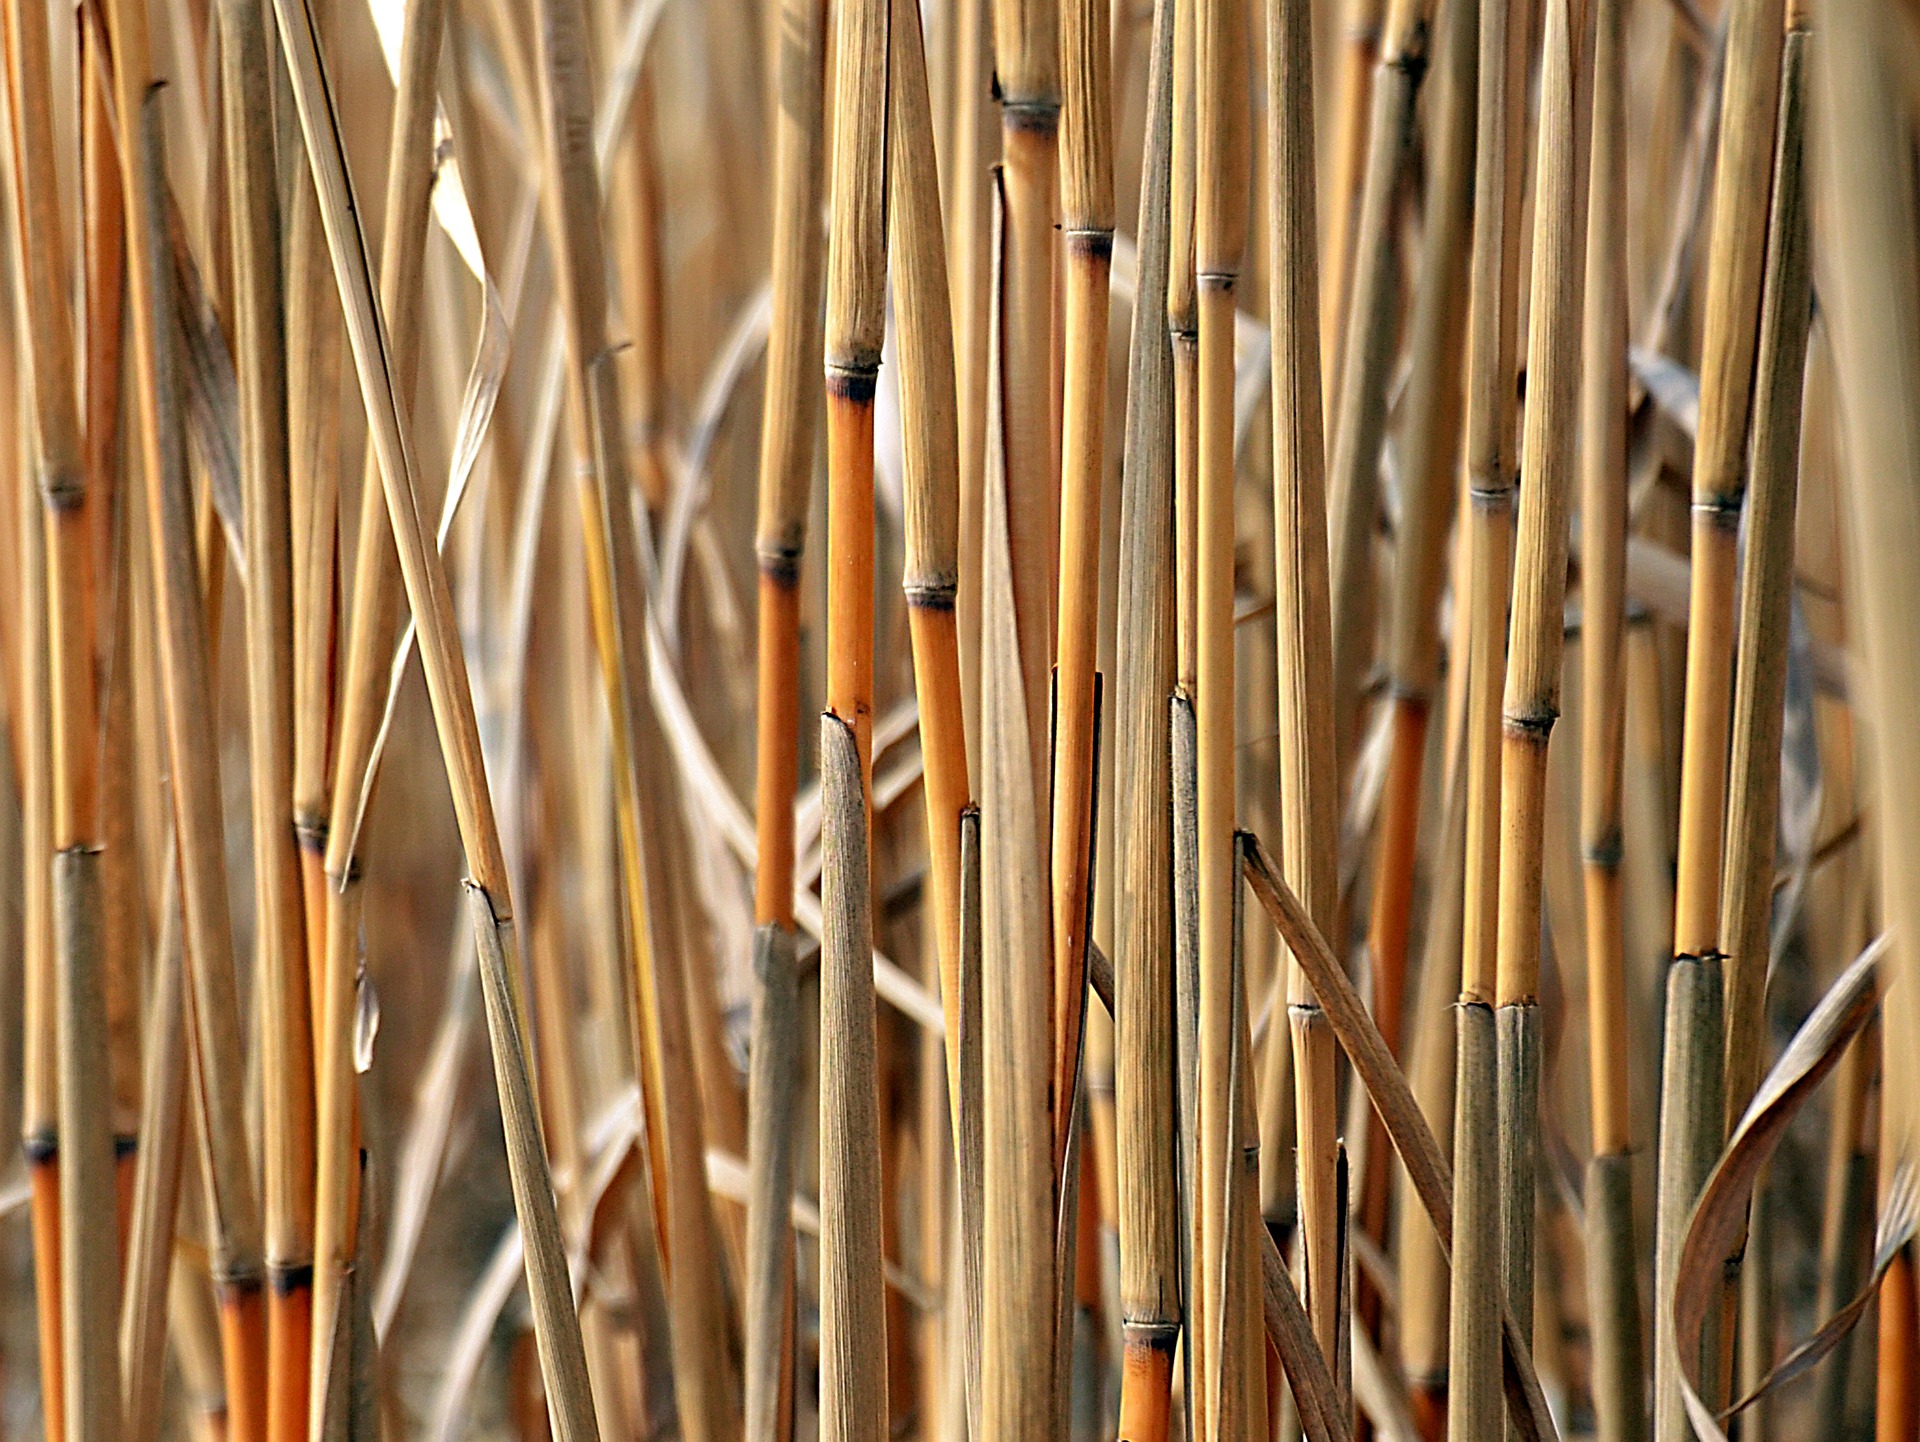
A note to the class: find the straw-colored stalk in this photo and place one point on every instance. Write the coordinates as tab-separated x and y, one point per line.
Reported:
968	162
1303	628
192	751
1746	902
1087	204
1357	62
645	783
1371	273
156	1190
1766	587
788	432
1430	448
1018	1291
39	1122
122	918
931	481
372	629
1026	50
1473	1397
1144	1092
87	1255
853	1329
313	464
1532	701
1183	332
285	1027
853	1322
1612	1268
1221	156
1736	253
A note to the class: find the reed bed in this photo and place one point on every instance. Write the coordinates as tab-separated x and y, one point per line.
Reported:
1224	761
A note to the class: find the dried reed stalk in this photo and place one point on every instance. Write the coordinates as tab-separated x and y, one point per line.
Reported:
1766	587
931	482
1736	254
556	1326
1018	1292
373	627
1532	701
192	754
86	1253
853	1324
1302	623
1430	448
1026	52
285	1022
652	857
156	1189
1087	212
1219	234
1146	1124
1869	196
1619	1386
788	431
1472	1398
1365	278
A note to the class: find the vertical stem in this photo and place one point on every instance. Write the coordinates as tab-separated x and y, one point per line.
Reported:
1532	701
1087	206
1144	1091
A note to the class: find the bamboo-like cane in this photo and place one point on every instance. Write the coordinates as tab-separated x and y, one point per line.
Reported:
1357	56
1220	36
1876	321
372	630
1473	1384
853	1324
1766	587
1430	445
104	312
787	435
313	464
192	753
39	1130
1612	1268
1302	623
286	1029
86	1256
1736	254
1532	701
968	161
1026	51
1366	282
556	1326
156	1192
1746	897
1018	1295
1144	1092
1087	206
645	784
931	481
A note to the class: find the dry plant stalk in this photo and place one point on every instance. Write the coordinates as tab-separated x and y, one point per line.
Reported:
1018	1289
85	1366
787	438
1613	1265
1365	278
1146	1125
181	626
556	1325
1532	701
1087	206
1221	157
1303	627
1472	1400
